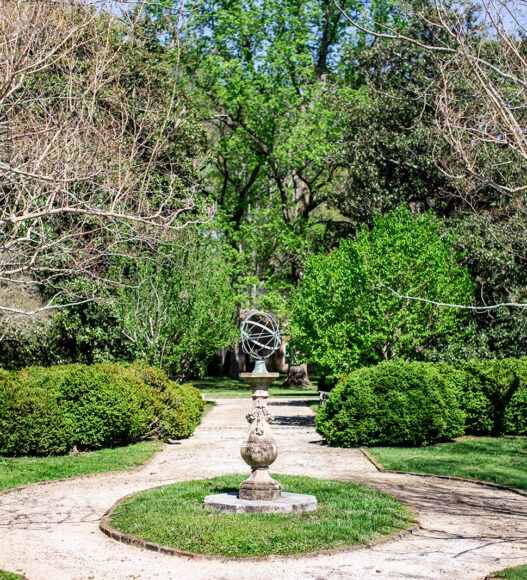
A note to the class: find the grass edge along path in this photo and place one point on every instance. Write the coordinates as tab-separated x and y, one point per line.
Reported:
173	516
16	471
227	387
516	573
9	575
501	460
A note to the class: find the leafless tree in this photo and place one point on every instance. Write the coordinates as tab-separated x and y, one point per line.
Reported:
84	168
480	96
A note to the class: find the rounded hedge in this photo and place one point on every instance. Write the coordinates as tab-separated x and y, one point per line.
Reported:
393	403
415	403
48	411
494	396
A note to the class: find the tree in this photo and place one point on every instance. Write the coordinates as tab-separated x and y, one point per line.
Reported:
266	76
480	102
343	317
179	310
97	156
390	139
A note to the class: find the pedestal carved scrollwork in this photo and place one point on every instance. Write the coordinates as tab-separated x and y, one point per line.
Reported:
259	450
260	415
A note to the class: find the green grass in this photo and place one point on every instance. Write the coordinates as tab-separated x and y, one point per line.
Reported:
225	387
208	406
9	575
500	460
15	471
173	516
516	573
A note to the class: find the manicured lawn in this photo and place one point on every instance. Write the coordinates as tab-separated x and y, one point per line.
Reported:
225	387
173	516
497	459
15	471
9	575
516	573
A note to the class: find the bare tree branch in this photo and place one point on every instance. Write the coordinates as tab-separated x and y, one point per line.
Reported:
447	305
87	163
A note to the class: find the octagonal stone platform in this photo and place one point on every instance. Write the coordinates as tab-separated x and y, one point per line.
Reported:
229	503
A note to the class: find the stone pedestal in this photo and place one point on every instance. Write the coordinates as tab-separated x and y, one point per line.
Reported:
230	503
260	493
259	450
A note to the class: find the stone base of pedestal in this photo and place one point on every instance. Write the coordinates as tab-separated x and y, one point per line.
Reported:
259	494
260	486
230	503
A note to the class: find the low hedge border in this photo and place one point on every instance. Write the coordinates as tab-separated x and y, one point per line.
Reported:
130	540
489	484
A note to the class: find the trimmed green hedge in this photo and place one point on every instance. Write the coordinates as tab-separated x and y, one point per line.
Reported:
393	403
48	411
416	403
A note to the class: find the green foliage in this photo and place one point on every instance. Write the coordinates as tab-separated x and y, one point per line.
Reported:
266	76
176	409
494	396
393	403
344	317
50	410
391	140
31	421
495	256
418	403
87	334
179	308
175	308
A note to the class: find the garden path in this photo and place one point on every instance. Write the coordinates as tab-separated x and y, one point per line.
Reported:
51	531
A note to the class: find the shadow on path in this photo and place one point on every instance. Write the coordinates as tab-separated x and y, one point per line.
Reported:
294	421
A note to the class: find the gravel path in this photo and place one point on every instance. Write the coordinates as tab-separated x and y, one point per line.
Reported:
51	531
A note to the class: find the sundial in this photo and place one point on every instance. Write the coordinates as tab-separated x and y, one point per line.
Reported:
260	336
260	493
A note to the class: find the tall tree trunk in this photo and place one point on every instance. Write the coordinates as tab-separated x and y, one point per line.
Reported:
297	377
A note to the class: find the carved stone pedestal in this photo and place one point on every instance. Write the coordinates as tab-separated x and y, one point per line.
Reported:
259	450
260	493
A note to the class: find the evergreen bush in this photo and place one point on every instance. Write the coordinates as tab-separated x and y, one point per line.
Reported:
48	411
393	403
416	403
493	396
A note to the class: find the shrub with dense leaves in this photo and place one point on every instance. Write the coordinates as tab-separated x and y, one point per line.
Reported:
416	403
393	403
50	410
494	396
343	316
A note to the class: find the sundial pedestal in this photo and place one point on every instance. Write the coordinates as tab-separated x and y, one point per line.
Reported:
259	450
260	493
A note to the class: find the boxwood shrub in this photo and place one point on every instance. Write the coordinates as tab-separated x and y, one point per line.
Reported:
393	403
415	403
45	411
